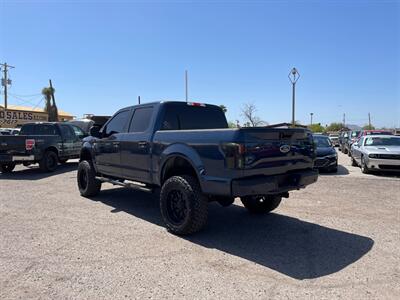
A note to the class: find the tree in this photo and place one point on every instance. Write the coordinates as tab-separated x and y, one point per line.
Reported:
369	127
224	109
316	127
232	124
334	127
50	106
251	119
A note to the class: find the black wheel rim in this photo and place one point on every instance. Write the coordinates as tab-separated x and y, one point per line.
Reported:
51	162
176	207
83	179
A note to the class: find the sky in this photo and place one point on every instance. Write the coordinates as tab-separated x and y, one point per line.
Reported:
101	55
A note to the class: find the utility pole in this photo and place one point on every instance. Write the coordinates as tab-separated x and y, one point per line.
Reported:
5	81
186	85
311	114
369	120
344	120
138	99
294	75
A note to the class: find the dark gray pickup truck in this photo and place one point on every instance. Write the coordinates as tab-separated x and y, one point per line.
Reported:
44	143
188	151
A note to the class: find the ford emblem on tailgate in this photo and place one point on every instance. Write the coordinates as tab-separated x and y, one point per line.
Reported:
284	148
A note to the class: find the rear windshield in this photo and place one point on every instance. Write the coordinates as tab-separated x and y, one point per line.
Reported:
38	129
382	141
182	116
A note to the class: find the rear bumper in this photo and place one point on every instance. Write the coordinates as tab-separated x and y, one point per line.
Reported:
7	158
273	184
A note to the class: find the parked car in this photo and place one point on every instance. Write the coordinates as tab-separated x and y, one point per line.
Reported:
343	137
188	151
89	121
377	153
353	137
334	137
43	143
326	159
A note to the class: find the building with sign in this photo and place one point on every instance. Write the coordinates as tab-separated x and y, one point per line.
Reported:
16	116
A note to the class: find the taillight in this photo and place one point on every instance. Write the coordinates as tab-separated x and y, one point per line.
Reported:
29	144
196	104
234	155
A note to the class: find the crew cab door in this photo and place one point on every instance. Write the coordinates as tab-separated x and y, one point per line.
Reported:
79	135
136	146
107	149
67	138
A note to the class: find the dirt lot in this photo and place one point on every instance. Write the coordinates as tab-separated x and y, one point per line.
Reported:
339	238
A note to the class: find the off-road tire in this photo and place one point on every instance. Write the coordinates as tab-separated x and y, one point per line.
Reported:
88	185
7	168
261	204
183	206
364	168
49	162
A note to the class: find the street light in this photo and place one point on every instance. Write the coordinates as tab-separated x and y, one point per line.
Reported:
311	114
294	75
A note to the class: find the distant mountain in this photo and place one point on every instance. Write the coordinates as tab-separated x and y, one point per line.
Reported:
353	127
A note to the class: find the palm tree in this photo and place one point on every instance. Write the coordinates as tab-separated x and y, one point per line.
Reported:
224	109
50	108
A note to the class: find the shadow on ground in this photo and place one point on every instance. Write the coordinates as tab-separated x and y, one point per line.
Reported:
34	173
299	249
342	170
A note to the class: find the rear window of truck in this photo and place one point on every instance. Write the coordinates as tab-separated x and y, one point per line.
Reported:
180	117
38	129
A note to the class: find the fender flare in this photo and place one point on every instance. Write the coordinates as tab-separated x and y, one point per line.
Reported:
182	151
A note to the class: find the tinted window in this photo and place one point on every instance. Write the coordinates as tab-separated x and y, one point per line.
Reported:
141	119
44	129
178	116
27	129
117	124
66	132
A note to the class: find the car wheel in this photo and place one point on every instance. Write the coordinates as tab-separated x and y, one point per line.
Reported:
353	162
183	206
7	168
364	168
49	162
261	204
87	183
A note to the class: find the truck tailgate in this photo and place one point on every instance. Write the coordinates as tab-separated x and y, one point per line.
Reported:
277	150
12	144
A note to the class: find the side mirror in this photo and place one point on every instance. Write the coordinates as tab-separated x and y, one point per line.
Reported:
95	131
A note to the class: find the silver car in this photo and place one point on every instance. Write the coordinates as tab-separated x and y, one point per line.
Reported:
376	153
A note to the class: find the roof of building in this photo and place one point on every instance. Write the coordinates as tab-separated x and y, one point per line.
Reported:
34	109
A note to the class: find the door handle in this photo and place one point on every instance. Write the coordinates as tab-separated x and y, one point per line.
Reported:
142	144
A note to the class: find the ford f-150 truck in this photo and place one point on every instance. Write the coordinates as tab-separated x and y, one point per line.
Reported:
188	151
44	143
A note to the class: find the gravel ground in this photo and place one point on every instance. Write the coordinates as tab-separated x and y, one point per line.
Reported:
338	238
